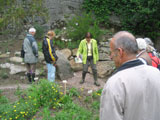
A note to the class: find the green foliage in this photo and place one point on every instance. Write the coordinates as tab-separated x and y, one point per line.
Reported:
78	26
74	92
4	75
15	14
47	97
137	16
39	31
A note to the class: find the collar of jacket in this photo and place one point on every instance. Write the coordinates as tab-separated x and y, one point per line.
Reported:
129	64
90	41
29	35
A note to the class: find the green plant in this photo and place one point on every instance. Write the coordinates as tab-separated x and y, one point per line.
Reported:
4	75
78	26
15	14
74	92
39	31
137	16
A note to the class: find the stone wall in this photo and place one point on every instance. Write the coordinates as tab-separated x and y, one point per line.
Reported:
58	9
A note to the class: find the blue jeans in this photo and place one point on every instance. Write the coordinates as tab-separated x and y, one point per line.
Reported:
51	72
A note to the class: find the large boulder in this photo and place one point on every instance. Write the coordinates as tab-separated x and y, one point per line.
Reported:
104	68
4	55
74	52
16	59
40	56
64	69
76	66
66	52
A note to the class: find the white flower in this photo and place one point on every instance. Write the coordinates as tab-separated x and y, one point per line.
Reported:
90	91
77	24
62	39
66	40
64	28
69	40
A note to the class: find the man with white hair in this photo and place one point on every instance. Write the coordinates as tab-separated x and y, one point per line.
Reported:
142	54
132	92
31	54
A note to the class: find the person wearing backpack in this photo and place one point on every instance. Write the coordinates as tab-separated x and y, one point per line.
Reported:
50	55
31	54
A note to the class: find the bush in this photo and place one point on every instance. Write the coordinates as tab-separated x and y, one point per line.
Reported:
78	26
137	16
39	31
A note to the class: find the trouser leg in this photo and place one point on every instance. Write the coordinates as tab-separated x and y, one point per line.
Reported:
28	72
51	72
85	69
94	70
33	69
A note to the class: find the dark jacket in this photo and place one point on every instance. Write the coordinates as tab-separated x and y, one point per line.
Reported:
49	51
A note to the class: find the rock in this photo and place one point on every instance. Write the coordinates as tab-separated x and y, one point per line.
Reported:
64	69
17	53
76	66
6	65
15	69
4	55
21	37
104	57
66	52
74	52
16	59
104	68
40	56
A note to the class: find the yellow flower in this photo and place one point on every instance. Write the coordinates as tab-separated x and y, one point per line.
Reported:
16	117
14	106
0	116
61	93
79	97
26	102
10	118
14	110
29	96
18	103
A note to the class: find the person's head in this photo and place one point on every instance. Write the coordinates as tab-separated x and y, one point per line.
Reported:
123	48
32	31
51	34
149	41
88	36
141	44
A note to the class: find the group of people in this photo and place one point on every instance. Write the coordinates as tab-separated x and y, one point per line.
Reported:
88	48
133	90
31	54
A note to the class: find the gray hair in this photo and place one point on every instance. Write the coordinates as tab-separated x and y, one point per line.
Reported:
142	45
126	41
149	41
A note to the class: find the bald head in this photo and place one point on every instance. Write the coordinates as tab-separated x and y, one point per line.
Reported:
126	41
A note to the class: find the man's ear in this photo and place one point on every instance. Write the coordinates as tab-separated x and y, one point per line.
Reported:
121	52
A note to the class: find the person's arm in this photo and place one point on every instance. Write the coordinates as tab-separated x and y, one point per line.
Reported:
96	50
80	49
34	47
111	107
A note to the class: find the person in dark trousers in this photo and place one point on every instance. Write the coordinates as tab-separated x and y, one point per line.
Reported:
31	54
89	50
50	55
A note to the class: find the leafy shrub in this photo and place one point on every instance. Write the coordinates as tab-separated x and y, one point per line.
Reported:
78	26
137	16
39	31
15	14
